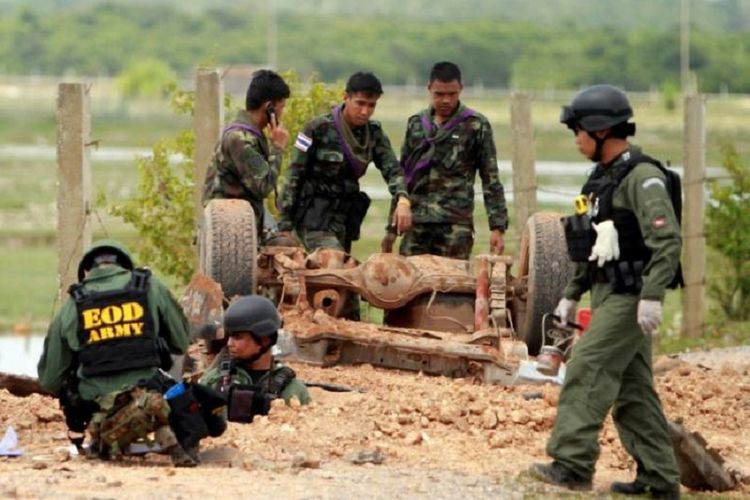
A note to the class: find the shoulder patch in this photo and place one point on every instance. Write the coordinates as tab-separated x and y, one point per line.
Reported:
303	142
653	181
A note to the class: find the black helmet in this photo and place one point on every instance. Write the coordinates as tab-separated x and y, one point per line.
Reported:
597	108
114	251
252	313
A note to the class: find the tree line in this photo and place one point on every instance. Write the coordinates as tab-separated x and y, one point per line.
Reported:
105	38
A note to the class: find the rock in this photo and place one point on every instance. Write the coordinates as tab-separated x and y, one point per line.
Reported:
48	414
519	417
372	456
449	414
489	419
302	461
413	438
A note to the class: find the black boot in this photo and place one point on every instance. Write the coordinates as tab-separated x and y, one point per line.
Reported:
180	458
638	488
557	474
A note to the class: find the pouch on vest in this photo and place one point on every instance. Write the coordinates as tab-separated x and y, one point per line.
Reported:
579	236
246	401
356	214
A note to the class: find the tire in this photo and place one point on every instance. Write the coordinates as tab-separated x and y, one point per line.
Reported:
545	269
229	245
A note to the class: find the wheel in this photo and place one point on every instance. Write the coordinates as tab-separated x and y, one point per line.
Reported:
543	270
229	245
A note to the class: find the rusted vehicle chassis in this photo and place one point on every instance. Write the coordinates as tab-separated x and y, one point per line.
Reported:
440	315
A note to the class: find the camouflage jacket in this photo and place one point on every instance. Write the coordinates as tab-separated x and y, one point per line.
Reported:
243	165
321	169
443	190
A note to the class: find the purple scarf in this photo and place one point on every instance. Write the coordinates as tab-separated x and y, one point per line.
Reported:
421	157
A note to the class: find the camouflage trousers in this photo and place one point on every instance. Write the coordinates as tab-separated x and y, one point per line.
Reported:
129	416
312	240
446	240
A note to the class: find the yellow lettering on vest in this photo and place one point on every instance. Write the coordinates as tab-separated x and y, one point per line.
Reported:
131	311
94	337
91	318
122	330
107	332
111	315
137	328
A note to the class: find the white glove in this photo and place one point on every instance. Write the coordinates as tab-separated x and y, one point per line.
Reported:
566	310
649	315
607	247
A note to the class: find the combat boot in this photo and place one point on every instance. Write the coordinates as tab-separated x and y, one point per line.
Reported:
180	458
559	475
638	488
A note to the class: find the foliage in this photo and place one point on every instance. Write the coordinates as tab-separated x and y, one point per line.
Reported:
162	209
499	44
728	232
147	77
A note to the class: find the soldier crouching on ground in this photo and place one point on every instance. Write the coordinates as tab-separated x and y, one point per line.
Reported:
248	375
103	353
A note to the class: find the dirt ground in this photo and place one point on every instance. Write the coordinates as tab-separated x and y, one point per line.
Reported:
400	435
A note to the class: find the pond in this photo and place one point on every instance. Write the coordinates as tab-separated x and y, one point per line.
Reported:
19	353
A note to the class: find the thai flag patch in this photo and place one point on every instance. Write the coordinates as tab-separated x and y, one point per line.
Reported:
303	142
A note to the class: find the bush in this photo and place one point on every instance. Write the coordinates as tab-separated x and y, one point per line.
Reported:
728	232
162	209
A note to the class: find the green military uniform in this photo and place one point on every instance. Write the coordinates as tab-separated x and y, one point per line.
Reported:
62	345
243	166
321	198
125	413
295	388
611	364
440	163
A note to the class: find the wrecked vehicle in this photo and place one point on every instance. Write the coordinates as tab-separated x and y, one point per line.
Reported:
440	315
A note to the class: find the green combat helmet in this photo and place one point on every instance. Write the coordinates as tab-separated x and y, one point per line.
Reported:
112	250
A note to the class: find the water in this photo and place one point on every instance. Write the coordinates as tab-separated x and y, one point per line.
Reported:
19	354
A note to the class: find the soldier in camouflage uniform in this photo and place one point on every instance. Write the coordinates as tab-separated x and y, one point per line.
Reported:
627	251
444	148
322	200
244	164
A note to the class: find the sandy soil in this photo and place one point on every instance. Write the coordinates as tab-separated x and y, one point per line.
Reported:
401	435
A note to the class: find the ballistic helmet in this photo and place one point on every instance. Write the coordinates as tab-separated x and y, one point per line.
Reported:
597	108
105	251
252	313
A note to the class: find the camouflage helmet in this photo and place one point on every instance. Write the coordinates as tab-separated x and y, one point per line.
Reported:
595	108
252	313
105	247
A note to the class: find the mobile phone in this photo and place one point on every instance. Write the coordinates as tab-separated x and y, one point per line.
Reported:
271	113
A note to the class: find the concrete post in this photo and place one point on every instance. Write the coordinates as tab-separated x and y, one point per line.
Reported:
74	181
693	236
208	119
524	172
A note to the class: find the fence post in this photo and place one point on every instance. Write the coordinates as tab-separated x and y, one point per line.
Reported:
208	119
693	236
74	181
523	162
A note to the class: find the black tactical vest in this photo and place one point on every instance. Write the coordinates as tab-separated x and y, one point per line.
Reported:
115	328
625	273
